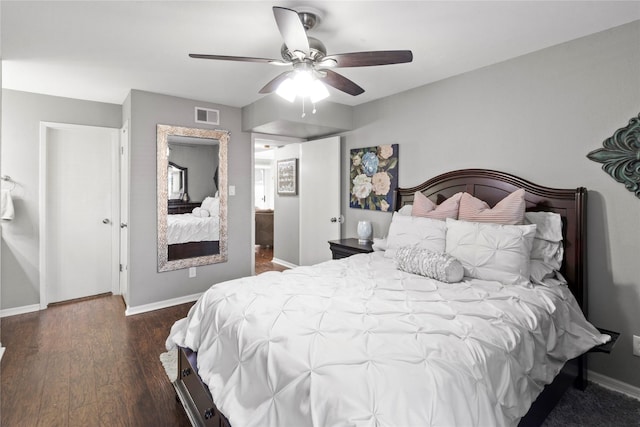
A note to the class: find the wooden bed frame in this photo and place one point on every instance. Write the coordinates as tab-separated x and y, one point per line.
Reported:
192	249
490	186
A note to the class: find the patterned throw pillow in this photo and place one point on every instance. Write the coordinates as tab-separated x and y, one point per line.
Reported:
509	210
436	265
424	207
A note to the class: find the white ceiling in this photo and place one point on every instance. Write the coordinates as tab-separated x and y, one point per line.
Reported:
100	50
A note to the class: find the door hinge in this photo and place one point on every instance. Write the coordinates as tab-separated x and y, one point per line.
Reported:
121	268
121	150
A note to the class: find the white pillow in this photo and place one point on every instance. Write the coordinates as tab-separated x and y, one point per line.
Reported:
423	233
547	250
379	244
492	251
405	210
549	225
211	204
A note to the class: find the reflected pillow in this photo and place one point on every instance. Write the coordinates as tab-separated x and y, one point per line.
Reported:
509	210
425	233
211	204
436	265
492	251
200	213
424	207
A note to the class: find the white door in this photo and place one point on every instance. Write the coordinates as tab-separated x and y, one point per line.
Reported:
319	179
124	212
80	205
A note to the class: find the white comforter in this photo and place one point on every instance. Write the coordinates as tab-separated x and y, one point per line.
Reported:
355	342
183	228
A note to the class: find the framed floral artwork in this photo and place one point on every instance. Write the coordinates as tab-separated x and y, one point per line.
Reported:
373	177
287	181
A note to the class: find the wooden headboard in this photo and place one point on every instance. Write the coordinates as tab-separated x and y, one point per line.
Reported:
493	186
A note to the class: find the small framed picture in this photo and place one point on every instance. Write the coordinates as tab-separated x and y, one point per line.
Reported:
287	181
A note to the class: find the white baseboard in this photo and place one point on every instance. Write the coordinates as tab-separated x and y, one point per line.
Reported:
19	310
615	385
139	309
283	263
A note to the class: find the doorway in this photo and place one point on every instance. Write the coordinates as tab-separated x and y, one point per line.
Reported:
79	211
264	191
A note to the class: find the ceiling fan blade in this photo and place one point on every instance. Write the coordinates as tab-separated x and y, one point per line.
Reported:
273	84
291	29
240	58
367	59
341	83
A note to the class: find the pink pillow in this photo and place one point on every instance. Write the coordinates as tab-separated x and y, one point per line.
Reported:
424	207
509	210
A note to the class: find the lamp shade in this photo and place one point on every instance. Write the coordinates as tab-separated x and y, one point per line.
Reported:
302	84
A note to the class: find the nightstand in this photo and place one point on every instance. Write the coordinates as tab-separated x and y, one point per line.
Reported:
182	207
606	347
346	247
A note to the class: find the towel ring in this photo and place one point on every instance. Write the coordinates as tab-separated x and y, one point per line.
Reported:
7	178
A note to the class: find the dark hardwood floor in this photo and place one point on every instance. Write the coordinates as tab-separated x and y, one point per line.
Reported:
263	260
83	363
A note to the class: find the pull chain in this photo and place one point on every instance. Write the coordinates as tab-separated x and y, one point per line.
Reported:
303	107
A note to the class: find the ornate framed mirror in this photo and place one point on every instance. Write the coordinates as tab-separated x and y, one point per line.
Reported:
192	221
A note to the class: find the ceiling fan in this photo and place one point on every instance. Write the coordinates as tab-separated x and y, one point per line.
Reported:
308	57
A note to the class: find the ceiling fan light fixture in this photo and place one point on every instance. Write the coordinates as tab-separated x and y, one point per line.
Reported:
287	90
304	85
318	91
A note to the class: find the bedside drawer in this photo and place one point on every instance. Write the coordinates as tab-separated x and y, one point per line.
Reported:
202	411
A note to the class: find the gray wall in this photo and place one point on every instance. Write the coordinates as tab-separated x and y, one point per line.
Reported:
146	285
537	117
22	113
286	219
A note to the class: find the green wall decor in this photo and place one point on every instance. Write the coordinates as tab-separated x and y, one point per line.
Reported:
620	155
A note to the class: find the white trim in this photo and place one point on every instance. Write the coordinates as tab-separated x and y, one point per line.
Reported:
2	349
123	214
139	309
283	263
115	212
19	310
615	385
42	214
42	202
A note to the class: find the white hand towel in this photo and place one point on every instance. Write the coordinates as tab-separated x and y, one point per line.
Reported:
6	205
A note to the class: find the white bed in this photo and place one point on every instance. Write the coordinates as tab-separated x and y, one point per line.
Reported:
360	341
368	344
184	228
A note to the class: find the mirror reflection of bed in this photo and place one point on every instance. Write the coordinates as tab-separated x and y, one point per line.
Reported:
193	226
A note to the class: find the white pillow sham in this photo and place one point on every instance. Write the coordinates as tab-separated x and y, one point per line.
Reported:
492	251
212	205
405	210
547	250
423	233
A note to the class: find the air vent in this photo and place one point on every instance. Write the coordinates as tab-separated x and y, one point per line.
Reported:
208	116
